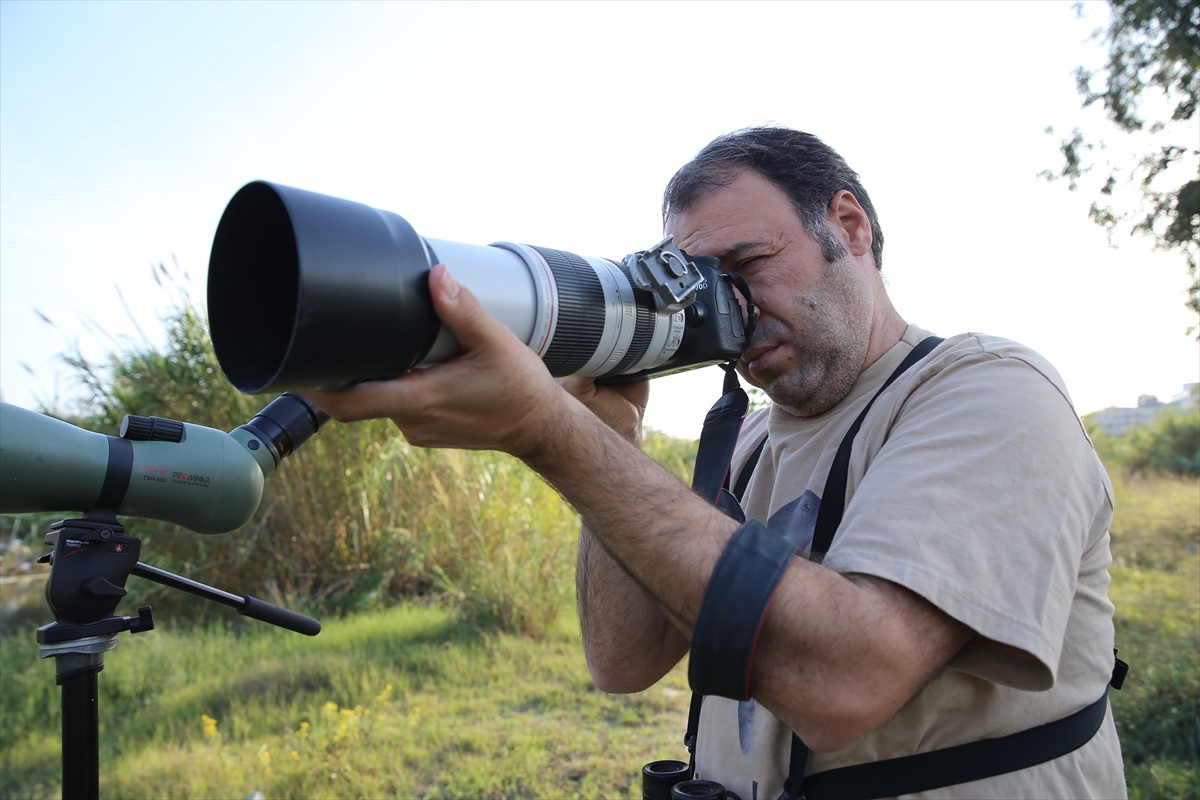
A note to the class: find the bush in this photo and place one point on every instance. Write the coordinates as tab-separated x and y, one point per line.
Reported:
356	517
1170	445
677	456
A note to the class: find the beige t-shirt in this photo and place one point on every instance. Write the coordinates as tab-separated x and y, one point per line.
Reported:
973	484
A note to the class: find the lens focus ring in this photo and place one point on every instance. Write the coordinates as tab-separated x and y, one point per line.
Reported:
581	311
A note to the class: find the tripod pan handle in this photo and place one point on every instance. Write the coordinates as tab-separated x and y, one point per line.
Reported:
268	612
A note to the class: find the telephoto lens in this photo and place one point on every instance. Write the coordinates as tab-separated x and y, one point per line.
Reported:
307	291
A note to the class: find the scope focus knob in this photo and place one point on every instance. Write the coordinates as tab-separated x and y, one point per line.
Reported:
151	429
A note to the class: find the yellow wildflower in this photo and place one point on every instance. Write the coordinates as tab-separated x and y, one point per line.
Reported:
210	727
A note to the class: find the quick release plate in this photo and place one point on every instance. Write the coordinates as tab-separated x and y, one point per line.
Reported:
668	273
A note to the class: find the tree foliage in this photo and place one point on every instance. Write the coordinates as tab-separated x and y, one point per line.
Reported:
1170	445
1153	63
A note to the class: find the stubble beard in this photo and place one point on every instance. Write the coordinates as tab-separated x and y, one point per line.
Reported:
829	334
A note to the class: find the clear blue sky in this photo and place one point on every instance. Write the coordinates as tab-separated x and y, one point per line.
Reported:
125	128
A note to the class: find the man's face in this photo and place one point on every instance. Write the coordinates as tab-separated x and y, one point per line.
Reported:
814	317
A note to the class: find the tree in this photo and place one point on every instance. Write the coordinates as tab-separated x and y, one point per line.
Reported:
1153	61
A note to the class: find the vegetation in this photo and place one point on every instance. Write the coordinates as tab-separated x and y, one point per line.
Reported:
475	712
406	702
447	666
1170	445
1153	62
357	518
1156	588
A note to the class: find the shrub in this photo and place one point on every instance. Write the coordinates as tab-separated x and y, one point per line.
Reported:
1170	445
356	517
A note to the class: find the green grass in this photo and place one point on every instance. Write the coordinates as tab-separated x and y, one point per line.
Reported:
405	702
1156	589
218	710
1156	523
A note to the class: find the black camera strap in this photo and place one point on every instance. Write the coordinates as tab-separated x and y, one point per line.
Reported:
949	766
833	497
718	438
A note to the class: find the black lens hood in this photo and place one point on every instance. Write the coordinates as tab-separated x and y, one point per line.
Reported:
307	291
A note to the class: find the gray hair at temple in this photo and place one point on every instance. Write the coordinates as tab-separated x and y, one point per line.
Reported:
806	169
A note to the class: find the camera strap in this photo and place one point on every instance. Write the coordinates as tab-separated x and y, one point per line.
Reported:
833	497
718	438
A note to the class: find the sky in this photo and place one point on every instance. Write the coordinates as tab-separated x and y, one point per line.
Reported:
126	128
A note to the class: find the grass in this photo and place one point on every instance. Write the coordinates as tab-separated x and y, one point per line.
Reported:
1156	589
434	700
406	702
1156	523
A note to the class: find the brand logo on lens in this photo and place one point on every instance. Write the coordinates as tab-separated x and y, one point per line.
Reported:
154	474
190	479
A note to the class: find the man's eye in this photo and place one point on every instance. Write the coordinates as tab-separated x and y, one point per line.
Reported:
746	262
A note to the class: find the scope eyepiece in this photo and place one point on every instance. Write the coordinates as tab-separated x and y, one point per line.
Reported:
287	422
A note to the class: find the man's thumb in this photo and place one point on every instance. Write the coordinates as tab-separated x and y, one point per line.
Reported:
461	312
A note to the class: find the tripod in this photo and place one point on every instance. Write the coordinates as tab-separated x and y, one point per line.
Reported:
91	560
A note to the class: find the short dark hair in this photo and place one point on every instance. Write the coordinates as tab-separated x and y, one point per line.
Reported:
806	169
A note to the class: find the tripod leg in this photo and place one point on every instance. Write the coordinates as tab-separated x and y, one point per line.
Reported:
80	737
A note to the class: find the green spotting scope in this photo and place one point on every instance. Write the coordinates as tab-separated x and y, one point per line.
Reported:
200	478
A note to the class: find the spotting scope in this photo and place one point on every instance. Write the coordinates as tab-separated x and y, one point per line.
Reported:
201	478
307	291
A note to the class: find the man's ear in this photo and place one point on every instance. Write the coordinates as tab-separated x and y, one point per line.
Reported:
846	215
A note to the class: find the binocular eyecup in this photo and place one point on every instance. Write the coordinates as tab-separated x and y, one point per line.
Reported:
672	780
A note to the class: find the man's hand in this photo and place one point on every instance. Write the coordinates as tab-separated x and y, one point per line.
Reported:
497	395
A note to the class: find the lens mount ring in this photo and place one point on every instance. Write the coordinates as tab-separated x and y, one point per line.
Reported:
546	316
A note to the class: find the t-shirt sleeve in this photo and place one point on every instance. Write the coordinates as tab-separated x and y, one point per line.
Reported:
980	494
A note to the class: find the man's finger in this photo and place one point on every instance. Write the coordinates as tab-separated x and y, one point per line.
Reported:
370	400
460	310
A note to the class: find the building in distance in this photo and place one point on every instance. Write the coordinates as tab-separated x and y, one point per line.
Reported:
1115	421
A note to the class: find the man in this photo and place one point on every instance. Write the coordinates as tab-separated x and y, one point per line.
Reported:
964	596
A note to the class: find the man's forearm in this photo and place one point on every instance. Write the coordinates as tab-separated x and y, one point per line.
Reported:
627	639
656	531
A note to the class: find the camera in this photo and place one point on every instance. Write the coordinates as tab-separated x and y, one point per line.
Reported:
307	291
